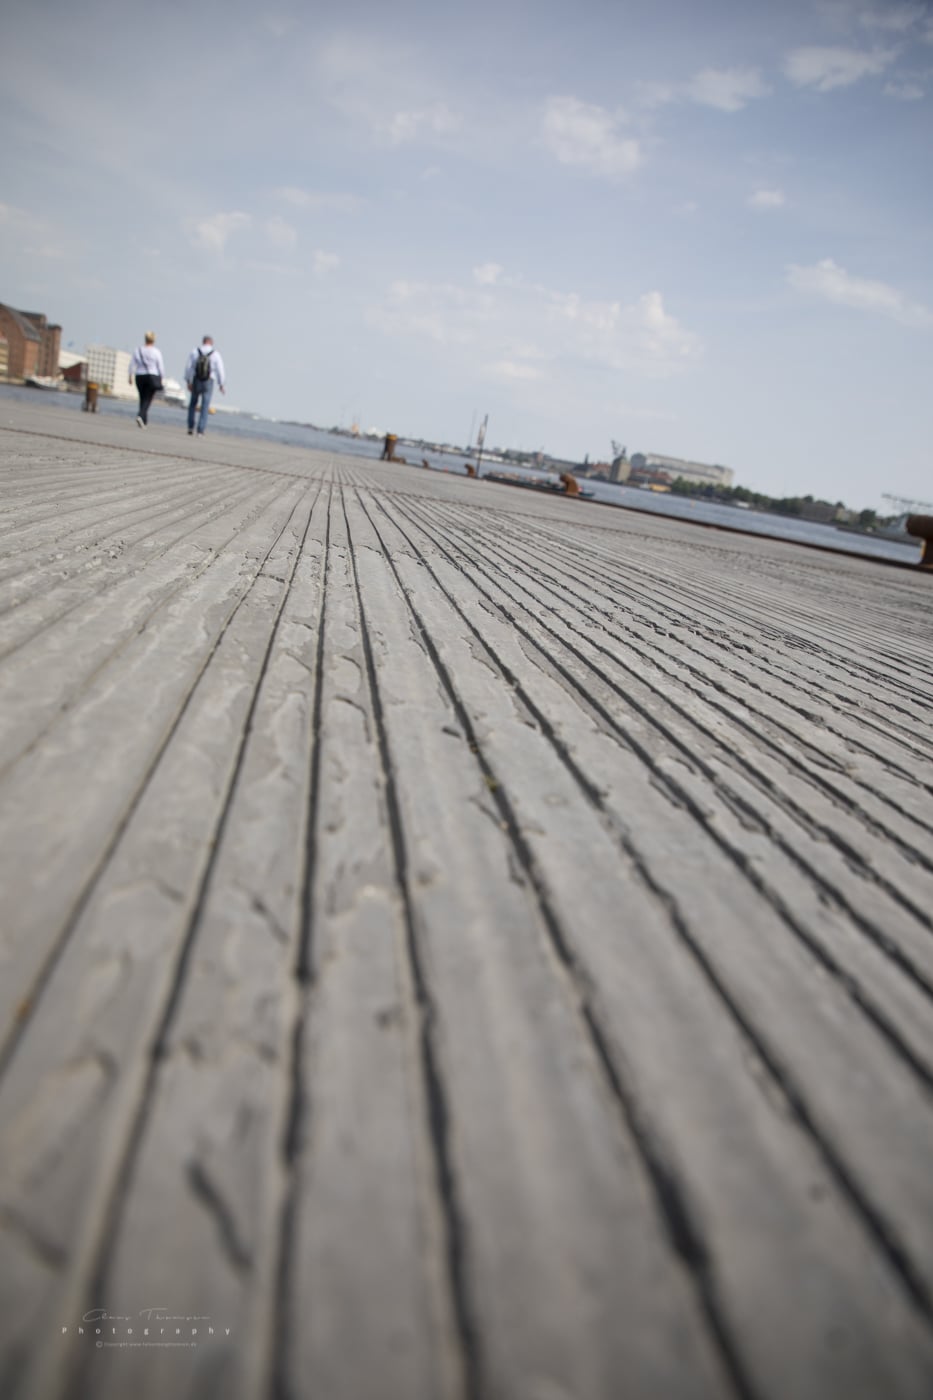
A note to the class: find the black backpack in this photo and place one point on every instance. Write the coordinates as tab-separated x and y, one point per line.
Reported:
202	368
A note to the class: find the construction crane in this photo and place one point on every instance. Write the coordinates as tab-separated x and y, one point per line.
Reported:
903	505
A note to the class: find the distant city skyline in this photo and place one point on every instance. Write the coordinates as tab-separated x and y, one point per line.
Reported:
701	230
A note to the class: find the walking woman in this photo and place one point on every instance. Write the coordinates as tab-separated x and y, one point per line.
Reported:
147	365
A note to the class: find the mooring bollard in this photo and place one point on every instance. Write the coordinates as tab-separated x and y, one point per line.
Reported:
922	527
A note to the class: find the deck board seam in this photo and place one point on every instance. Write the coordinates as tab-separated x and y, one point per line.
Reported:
86	887
436	1094
96	1273
184	582
672	1199
217	506
870	930
782	754
148	506
303	976
685	643
872	1220
664	604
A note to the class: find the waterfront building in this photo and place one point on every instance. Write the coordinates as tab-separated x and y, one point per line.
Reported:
821	511
32	344
109	369
653	477
675	467
73	368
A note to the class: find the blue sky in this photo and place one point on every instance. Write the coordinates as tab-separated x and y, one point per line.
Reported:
697	227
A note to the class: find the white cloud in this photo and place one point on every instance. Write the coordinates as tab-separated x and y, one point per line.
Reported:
279	26
661	338
895	19
726	89
322	262
512	369
280	233
273	269
831	282
579	133
828	68
766	199
487	274
520	327
433	121
316	199
905	90
440	311
656	94
210	235
27	231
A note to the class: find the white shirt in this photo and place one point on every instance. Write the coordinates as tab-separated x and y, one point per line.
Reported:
217	365
147	360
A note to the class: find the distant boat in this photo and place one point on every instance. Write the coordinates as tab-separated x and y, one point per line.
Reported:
173	392
43	381
553	488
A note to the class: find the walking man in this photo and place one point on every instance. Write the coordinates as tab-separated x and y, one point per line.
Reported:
204	369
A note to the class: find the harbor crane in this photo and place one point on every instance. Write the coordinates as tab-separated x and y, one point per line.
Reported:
903	505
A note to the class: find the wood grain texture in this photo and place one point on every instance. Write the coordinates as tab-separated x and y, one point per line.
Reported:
455	945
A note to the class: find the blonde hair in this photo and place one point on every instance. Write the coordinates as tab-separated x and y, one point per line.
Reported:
150	337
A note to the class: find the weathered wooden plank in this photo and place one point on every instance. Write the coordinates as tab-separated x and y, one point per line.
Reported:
105	568
861	1091
102	1017
832	735
702	597
697	1081
90	767
502	989
560	1231
91	633
366	1310
874	909
59	558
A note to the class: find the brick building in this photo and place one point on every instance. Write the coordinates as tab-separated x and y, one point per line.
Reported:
50	342
33	345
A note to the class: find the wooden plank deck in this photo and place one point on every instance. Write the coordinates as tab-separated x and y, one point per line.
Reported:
457	945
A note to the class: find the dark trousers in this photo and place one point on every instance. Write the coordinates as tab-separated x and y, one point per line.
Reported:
145	384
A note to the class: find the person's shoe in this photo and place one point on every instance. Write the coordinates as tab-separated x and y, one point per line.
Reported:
139	422
191	432
200	432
